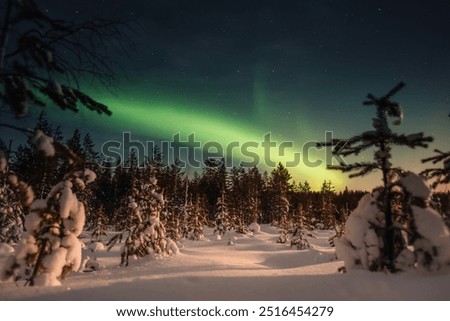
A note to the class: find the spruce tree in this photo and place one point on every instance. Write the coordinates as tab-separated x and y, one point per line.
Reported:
40	171
50	248
254	183
328	208
299	233
279	187
15	197
441	175
99	226
237	202
174	191
222	224
143	229
105	190
381	138
212	183
197	219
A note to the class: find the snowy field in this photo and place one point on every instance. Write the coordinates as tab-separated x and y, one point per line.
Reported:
255	268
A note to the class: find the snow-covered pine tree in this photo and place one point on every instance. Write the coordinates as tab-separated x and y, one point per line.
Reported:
173	224
299	233
50	248
89	158
212	183
339	225
279	188
254	210
427	233
306	200
99	225
145	233
174	191
378	213
185	211
197	219
222	225
15	196
238	200
328	209
126	180
254	182
281	206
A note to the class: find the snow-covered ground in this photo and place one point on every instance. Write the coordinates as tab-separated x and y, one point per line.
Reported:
255	268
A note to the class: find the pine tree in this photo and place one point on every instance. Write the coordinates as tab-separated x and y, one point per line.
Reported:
299	234
254	183
126	180
281	207
185	211
339	225
328	209
105	190
279	188
90	156
40	171
15	197
175	191
197	219
99	226
50	248
440	175
153	167
382	139
212	183
239	200
427	234
74	143
144	231
87	195
222	225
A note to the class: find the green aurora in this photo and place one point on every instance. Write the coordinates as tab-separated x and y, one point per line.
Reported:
160	121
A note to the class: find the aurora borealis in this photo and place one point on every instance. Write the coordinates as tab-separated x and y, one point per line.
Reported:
237	141
233	71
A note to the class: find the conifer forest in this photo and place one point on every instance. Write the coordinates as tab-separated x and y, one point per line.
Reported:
266	202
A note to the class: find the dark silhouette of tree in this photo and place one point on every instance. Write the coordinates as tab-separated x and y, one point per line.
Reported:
213	182
222	224
38	170
105	189
442	174
15	197
175	199
237	200
279	188
197	219
328	209
99	226
382	139
42	59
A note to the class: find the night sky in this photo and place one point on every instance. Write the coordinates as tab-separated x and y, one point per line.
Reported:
237	70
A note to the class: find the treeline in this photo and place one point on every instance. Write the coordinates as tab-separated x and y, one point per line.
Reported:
226	199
